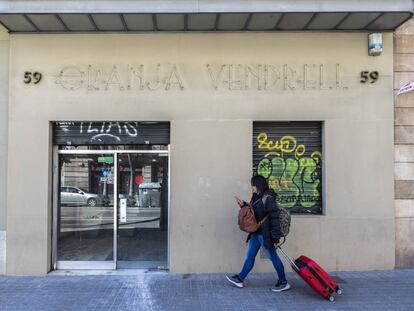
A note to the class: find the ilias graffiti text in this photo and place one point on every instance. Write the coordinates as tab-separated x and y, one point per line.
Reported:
97	131
216	76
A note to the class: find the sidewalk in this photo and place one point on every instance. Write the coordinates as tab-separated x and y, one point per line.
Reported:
377	290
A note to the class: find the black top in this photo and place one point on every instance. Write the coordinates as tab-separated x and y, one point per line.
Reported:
270	229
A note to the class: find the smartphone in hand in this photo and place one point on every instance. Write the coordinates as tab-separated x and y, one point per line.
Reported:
239	201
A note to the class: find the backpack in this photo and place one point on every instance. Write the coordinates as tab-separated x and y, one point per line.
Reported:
247	220
284	219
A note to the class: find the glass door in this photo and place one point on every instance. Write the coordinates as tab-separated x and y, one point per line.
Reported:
92	229
142	237
85	211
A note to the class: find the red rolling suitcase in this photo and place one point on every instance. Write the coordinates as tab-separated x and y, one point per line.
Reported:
314	275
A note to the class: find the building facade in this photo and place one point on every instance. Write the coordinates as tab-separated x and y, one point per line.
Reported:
125	149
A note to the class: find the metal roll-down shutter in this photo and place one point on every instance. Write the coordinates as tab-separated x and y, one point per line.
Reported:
111	133
289	156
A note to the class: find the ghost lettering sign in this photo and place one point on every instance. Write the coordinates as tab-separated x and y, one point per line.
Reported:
215	76
262	77
130	77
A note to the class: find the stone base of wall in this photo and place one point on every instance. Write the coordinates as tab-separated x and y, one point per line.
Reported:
2	252
404	255
404	231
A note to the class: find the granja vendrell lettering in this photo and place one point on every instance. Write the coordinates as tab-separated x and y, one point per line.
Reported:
233	77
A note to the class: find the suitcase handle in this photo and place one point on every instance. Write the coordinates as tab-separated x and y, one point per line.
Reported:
292	263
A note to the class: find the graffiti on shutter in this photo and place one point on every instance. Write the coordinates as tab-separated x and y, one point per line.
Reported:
289	156
110	133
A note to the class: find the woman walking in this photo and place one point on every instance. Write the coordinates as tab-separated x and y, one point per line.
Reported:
264	205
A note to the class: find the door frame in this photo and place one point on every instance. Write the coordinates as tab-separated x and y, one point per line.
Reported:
97	265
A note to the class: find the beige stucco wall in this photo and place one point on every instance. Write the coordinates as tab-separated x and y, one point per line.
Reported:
211	139
4	119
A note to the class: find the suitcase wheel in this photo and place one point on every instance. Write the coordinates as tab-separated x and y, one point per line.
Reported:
339	291
331	298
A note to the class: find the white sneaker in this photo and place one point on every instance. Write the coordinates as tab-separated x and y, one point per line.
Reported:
235	280
280	286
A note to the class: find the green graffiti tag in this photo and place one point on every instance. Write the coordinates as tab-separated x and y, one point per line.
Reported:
264	168
296	180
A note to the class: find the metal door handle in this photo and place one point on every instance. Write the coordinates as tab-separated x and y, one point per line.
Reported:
123	207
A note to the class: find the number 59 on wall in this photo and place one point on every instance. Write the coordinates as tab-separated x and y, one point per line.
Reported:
371	76
32	77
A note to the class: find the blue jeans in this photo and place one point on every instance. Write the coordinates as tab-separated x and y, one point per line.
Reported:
255	242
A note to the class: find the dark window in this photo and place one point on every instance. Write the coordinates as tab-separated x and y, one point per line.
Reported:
289	156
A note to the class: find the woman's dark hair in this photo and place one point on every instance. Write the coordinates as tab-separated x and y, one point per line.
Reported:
260	183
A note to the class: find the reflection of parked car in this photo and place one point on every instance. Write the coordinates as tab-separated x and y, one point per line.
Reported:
78	196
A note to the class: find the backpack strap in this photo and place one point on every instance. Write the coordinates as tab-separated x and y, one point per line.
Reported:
264	198
263	220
